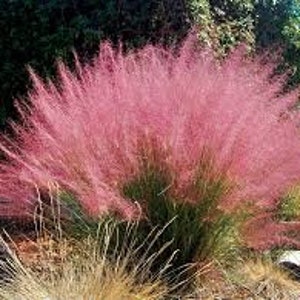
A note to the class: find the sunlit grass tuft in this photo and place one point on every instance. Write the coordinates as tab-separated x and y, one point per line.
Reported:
90	270
256	278
268	281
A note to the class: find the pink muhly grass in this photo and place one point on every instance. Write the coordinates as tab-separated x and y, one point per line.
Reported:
85	134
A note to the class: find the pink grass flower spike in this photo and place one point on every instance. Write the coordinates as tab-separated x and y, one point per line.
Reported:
84	134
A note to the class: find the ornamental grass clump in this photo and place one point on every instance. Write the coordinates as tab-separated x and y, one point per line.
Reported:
199	232
86	269
220	138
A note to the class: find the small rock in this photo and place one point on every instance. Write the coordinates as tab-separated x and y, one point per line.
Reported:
290	261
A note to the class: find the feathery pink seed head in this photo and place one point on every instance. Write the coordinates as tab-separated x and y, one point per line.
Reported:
86	133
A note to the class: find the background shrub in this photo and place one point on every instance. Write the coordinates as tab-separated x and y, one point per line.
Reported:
291	35
271	19
277	24
260	24
37	33
222	25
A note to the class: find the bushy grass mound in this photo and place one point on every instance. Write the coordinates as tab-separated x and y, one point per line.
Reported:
160	136
72	269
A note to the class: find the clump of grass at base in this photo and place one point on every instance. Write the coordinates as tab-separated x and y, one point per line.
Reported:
263	278
199	231
90	271
196	231
190	220
257	278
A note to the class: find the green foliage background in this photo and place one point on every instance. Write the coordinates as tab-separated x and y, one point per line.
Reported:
38	32
224	24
